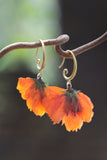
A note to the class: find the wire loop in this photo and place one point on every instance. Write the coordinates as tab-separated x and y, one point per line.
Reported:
65	71
44	58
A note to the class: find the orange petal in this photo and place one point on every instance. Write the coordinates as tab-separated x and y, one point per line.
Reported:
40	111
53	90
34	103
72	122
33	100
86	106
54	108
53	103
35	106
24	83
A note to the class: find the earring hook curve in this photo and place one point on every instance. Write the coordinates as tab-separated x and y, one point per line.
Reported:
65	71
44	58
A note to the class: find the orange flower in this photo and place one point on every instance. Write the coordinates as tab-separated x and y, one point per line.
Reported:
32	91
69	106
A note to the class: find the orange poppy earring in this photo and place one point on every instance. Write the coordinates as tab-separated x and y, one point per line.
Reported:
33	89
68	105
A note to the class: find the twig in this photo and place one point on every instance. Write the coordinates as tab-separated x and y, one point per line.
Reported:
57	42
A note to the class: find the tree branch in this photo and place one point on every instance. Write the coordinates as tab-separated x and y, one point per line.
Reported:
57	42
22	45
83	48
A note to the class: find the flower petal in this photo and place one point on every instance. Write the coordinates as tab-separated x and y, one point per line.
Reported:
24	83
54	103
72	122
34	103
53	90
86	106
24	86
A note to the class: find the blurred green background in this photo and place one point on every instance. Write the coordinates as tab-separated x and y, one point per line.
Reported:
28	20
23	135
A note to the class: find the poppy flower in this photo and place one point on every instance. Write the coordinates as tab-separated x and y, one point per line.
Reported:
32	90
71	107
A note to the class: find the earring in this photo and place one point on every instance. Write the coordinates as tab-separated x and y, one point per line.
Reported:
68	105
33	89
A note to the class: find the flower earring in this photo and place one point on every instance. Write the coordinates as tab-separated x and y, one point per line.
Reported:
69	106
33	89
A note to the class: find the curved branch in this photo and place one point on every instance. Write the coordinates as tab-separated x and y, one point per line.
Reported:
57	42
21	45
83	48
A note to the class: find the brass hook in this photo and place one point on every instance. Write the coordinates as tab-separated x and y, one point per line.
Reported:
65	71
44	58
62	63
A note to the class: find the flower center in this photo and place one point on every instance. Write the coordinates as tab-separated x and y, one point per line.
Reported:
72	104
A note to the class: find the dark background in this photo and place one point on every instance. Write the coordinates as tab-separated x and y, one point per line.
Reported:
25	136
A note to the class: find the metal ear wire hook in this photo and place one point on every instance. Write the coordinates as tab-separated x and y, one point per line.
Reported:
44	58
62	63
65	71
